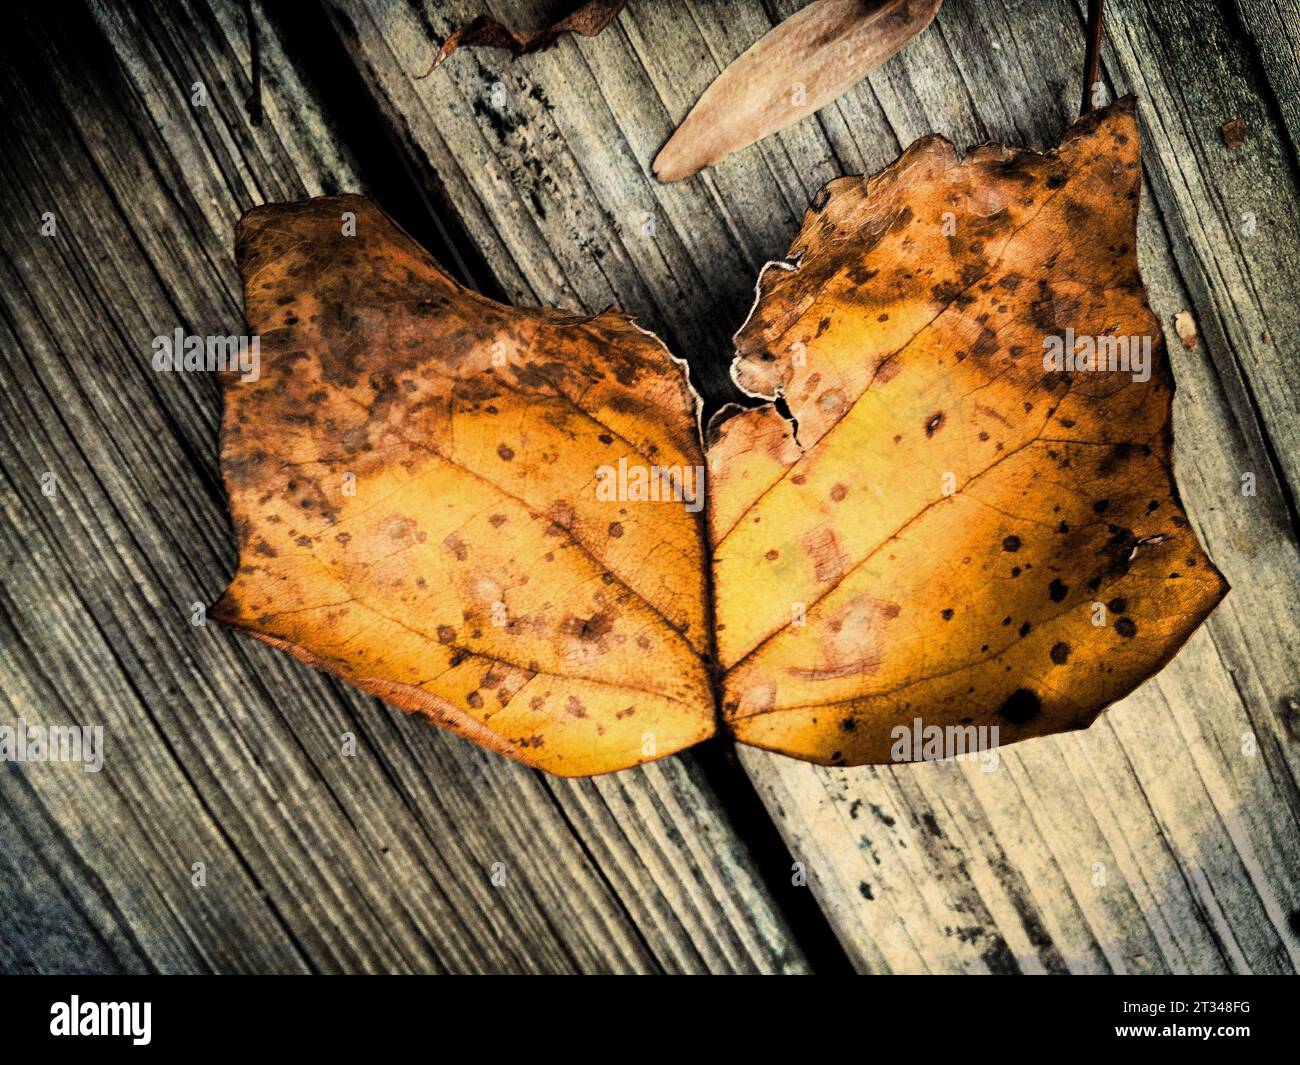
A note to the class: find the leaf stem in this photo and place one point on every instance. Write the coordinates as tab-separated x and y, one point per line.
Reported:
1092	54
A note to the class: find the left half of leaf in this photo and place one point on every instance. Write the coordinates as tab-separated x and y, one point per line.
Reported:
459	506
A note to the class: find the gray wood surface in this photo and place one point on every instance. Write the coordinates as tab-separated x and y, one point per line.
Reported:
220	750
1162	839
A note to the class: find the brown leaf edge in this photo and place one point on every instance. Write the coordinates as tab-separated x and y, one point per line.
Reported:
486	32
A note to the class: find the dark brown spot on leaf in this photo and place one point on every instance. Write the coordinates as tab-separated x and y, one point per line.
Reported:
1021	706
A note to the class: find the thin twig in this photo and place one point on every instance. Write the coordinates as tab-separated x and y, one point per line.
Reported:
1092	55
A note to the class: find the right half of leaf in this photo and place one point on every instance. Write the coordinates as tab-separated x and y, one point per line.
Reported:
950	527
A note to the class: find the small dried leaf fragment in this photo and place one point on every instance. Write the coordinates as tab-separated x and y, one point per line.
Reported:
1234	133
960	533
486	32
815	55
411	485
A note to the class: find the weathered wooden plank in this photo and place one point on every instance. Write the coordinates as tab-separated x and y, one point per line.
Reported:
1272	32
1152	842
220	750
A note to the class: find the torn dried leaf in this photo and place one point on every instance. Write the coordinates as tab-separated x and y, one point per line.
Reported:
952	527
964	531
411	483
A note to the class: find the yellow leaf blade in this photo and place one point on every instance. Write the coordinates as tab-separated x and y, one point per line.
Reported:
937	540
413	477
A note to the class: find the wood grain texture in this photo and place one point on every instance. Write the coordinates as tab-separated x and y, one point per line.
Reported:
220	751
1151	842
